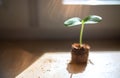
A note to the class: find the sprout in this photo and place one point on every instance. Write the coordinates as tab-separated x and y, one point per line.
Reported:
92	19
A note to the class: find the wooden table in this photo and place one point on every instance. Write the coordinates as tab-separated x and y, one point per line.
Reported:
53	65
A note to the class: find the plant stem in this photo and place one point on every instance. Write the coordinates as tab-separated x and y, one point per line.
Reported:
81	32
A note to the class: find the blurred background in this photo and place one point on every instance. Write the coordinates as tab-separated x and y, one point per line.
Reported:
43	19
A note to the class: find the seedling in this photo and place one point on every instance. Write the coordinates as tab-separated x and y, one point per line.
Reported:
80	51
92	19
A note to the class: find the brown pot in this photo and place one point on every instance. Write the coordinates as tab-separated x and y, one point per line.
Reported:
79	53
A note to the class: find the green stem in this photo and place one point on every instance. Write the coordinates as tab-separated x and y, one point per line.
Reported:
81	32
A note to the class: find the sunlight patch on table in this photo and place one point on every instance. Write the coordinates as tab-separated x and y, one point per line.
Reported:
53	65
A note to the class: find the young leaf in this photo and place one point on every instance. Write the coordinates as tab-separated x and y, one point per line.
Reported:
92	19
72	22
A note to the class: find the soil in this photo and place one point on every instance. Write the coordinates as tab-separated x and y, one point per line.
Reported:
79	53
79	58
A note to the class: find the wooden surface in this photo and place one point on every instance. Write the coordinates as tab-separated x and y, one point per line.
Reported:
18	57
54	65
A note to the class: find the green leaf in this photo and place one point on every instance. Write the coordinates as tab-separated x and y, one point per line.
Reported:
72	22
92	19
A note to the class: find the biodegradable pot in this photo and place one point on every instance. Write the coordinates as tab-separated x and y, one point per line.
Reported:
79	53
